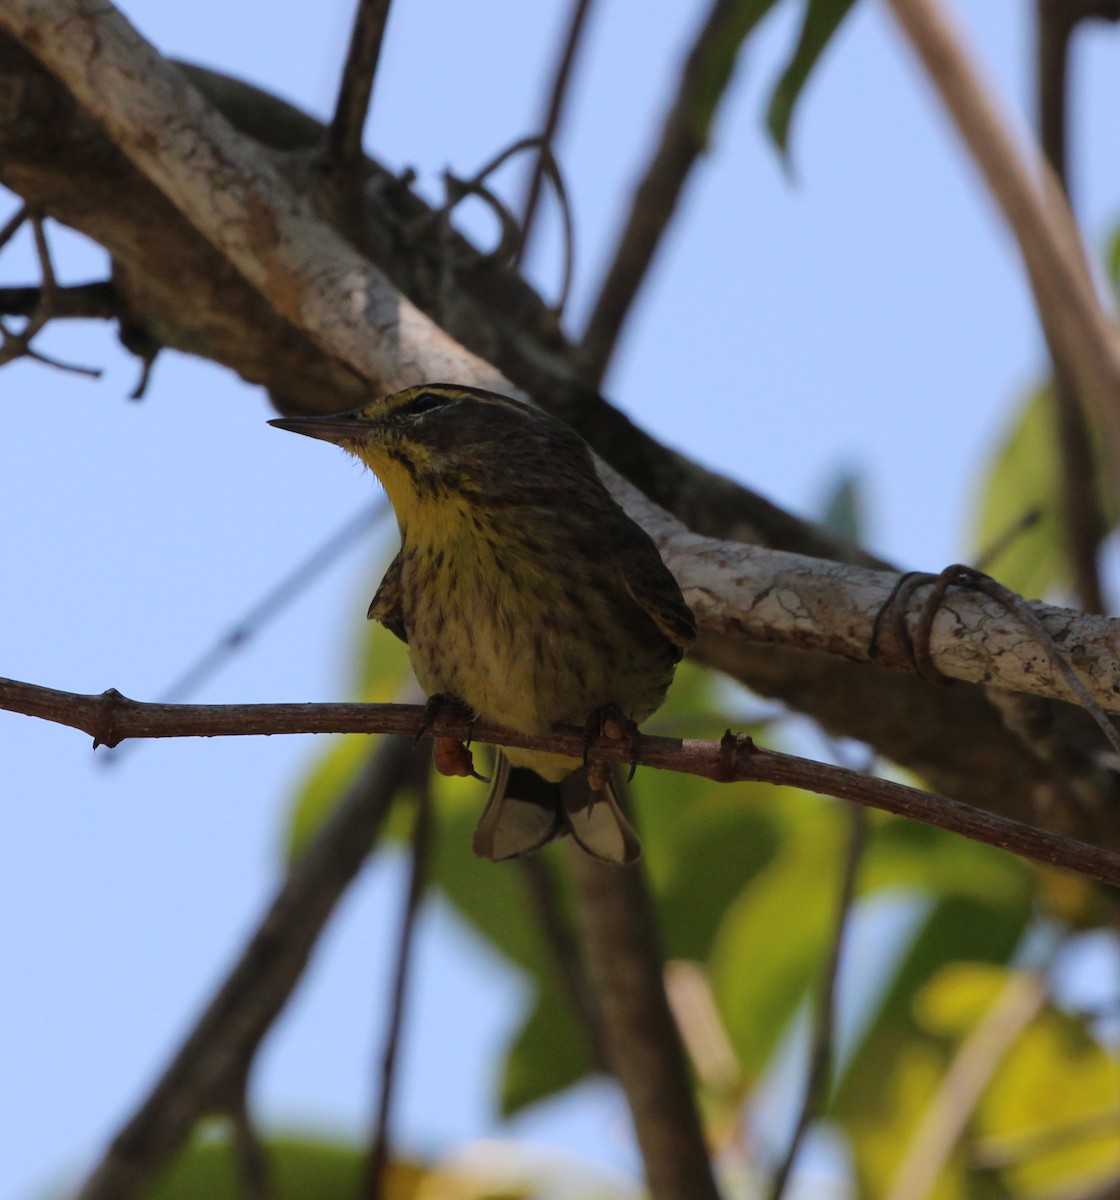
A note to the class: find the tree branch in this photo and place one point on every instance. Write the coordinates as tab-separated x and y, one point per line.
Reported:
344	141
557	95
233	193
806	604
110	718
235	197
640	1038
684	133
1082	513
96	300
375	1186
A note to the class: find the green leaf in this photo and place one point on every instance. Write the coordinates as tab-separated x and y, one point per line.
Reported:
819	24
1112	260
1025	478
548	1054
725	839
715	63
908	855
843	508
298	1169
1051	1110
1047	1117
771	944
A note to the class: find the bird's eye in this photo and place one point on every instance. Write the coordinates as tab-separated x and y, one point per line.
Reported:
423	403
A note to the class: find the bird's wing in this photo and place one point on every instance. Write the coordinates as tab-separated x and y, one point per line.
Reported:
386	603
650	584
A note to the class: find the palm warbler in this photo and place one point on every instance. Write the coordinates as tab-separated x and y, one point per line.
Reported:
523	591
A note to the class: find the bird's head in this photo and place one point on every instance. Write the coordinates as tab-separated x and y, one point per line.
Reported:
439	440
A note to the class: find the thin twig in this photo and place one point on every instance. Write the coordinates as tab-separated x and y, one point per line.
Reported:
111	717
95	300
18	345
819	1076
1082	515
654	204
558	94
344	138
550	166
46	265
13	224
278	598
421	856
210	1067
14	347
512	236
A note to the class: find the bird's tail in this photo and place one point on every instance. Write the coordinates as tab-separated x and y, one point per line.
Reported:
524	812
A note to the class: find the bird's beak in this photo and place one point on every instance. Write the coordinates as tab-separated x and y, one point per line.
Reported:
341	427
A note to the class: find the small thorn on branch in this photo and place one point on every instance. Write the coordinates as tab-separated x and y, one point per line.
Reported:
733	749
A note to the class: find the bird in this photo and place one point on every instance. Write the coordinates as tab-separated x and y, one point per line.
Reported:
524	592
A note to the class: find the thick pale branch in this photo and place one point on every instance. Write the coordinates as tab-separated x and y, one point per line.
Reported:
110	718
809	604
182	292
233	195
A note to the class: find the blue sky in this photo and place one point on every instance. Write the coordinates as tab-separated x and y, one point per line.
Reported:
865	313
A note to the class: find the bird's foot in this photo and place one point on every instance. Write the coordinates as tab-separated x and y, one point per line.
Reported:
609	722
450	756
439	705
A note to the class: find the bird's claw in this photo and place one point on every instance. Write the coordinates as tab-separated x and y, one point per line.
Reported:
609	722
436	706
